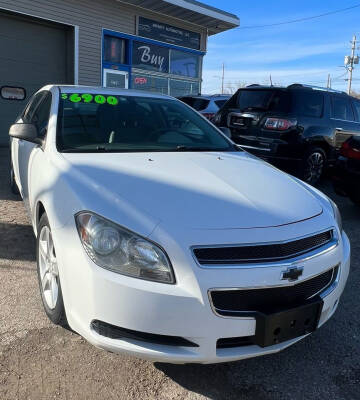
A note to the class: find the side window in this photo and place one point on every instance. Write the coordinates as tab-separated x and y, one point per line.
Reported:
341	108
31	106
308	103
41	115
356	104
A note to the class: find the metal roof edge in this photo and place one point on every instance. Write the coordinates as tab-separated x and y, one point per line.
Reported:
207	10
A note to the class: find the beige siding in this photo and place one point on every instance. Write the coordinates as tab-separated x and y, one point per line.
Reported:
91	16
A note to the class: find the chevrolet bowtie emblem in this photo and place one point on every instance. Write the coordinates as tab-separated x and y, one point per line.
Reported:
292	274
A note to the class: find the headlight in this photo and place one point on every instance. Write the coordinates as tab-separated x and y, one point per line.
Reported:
337	215
119	250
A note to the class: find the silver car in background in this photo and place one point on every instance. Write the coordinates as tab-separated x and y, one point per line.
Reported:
208	106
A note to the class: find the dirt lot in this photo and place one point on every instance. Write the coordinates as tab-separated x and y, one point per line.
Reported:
41	361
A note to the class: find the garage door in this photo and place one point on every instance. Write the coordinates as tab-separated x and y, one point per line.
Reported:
32	54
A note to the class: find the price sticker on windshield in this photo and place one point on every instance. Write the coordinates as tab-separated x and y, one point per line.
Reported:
90	98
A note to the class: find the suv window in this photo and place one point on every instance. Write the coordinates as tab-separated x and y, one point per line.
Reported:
308	104
356	104
41	115
263	100
341	108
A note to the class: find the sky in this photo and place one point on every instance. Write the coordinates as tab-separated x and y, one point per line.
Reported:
303	52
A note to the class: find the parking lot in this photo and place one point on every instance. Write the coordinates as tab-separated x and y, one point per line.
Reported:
41	361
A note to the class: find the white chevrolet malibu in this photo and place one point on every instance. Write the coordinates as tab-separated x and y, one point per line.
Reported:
158	237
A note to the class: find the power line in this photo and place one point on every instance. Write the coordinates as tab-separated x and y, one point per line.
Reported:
300	19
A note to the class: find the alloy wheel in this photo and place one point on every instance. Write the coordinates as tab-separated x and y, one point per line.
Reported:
49	274
314	167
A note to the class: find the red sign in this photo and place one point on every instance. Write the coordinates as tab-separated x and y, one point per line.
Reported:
140	81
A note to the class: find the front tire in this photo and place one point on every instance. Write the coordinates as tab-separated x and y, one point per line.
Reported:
48	274
313	165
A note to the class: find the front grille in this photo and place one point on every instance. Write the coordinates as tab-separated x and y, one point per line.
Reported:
233	302
116	332
227	343
261	253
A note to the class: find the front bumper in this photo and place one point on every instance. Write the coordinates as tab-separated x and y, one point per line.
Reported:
183	310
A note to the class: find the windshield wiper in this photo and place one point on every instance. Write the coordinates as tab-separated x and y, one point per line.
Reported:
194	148
98	149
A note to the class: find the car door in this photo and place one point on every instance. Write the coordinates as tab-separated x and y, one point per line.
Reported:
17	144
343	119
39	116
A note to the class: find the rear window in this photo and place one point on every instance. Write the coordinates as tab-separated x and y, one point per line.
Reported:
220	103
308	104
195	102
263	100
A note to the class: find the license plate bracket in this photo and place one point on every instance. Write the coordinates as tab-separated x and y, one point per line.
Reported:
278	327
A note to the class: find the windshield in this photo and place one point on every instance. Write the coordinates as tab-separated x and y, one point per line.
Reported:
102	122
263	100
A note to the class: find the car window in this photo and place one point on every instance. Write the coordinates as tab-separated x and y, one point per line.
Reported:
101	122
40	117
263	100
356	104
31	106
341	108
308	104
220	103
197	103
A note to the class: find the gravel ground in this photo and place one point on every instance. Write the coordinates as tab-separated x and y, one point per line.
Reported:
42	361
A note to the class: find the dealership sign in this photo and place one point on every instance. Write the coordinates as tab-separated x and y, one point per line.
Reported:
168	33
150	57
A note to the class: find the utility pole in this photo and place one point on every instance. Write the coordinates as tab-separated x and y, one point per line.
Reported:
328	82
350	61
222	79
271	81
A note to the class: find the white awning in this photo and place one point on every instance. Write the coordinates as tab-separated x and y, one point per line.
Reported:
192	11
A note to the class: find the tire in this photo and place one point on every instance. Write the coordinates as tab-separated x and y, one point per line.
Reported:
13	186
313	165
48	274
355	199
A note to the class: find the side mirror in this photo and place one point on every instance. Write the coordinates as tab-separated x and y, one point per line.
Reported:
226	131
26	132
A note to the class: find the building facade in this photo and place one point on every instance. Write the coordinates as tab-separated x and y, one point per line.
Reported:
153	45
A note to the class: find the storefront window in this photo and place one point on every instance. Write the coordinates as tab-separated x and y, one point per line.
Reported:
150	57
150	83
185	64
183	88
114	50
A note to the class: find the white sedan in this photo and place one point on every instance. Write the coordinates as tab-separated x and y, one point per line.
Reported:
158	237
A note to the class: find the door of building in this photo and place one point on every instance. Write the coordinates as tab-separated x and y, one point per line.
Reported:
117	79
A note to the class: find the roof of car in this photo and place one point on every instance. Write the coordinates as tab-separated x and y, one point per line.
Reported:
294	86
210	96
105	90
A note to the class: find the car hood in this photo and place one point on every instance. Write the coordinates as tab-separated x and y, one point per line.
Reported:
197	190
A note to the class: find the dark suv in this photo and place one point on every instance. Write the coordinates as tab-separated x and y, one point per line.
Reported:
298	128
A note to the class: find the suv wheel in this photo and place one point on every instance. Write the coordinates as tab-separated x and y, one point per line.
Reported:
313	165
355	198
48	274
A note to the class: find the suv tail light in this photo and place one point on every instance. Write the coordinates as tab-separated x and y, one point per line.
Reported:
208	115
349	151
279	124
